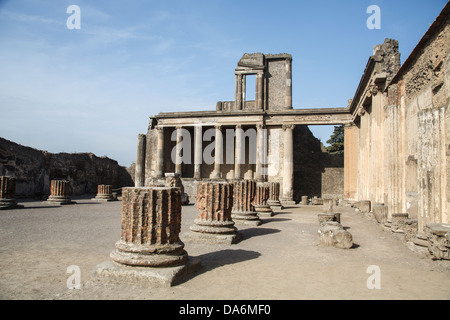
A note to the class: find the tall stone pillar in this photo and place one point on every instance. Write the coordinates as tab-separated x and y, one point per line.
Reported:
261	153
151	223
140	161
160	153
261	198
198	152
288	165
259	93
239	154
218	153
213	223
59	192
104	193
351	151
238	93
288	98
243	210
179	146
7	192
274	196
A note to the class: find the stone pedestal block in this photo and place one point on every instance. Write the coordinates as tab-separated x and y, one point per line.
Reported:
328	205
325	217
213	224
316	201
398	222
274	196
380	212
363	206
304	200
243	210
261	198
104	193
59	193
173	180
7	192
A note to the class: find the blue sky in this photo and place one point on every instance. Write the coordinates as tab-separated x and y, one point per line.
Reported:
93	89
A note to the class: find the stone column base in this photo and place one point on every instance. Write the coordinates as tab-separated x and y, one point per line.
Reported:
264	210
285	203
249	218
53	200
6	204
198	237
275	205
106	198
168	276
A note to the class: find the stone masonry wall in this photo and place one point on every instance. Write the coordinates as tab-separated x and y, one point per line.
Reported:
34	169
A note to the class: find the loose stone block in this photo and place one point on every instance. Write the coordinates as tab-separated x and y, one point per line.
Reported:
363	206
328	205
316	201
243	210
104	193
410	229
173	180
438	235
213	224
59	193
274	196
149	248
380	212
7	192
332	233
261	198
398	222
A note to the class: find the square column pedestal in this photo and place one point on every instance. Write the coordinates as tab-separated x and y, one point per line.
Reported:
149	249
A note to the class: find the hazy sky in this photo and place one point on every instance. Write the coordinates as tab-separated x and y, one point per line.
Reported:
92	89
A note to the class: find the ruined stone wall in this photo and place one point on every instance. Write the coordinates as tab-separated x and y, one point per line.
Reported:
276	84
422	131
34	169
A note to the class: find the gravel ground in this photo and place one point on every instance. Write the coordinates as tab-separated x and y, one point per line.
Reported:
280	259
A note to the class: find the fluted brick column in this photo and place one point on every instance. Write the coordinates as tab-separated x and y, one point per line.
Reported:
104	193
151	223
59	192
261	198
243	210
274	196
213	223
7	192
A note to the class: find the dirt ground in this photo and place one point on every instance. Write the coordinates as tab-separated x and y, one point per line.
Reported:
280	259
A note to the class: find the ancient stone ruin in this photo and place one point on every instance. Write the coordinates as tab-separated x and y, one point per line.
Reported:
150	227
60	191
243	210
105	193
261	198
7	192
213	223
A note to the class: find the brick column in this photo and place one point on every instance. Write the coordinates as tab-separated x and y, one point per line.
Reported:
261	198
274	196
243	210
104	193
151	223
59	192
7	192
213	223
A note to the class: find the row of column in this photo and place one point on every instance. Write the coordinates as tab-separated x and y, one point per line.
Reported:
261	154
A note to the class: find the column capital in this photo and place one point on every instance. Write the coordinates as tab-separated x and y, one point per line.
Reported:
288	126
260	126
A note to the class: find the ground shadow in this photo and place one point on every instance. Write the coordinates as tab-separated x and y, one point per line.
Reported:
268	220
255	232
216	259
275	213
